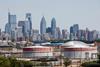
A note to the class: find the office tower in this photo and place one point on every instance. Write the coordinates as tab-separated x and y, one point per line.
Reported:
95	35
21	23
7	28
71	33
11	25
19	33
64	34
86	34
43	26
29	24
58	33
81	34
90	36
26	30
48	30
35	34
12	21
75	31
53	28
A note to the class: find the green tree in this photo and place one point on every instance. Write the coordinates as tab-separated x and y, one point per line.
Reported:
4	62
67	62
12	62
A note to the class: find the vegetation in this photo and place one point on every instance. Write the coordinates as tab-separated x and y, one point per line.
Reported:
67	62
92	63
97	40
12	62
42	64
4	62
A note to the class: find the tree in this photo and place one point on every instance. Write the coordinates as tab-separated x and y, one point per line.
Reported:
4	62
67	62
12	62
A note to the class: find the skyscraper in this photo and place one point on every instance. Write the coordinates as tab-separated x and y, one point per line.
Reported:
29	23
12	21
11	25
71	33
64	33
58	33
75	31
26	29
7	28
53	28
43	26
48	30
21	23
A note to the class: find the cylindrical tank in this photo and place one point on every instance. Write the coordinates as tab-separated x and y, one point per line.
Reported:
76	49
37	51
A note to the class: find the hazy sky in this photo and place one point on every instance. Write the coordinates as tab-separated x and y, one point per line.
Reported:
86	13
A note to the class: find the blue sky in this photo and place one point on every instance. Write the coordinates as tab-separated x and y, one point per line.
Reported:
86	13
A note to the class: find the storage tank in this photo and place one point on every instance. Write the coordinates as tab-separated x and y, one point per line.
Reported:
77	49
37	51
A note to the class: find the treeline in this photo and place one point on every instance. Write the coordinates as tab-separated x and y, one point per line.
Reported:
12	62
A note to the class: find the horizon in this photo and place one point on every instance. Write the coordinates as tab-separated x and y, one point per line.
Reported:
85	13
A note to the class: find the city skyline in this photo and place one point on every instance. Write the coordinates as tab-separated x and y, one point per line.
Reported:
85	13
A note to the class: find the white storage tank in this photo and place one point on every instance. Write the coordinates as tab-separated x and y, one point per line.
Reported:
77	49
37	51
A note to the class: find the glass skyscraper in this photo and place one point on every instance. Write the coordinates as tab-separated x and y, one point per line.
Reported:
11	25
29	23
7	28
53	27
12	21
43	26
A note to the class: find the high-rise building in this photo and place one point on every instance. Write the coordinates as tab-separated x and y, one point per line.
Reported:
19	33
90	36
75	31
53	28
64	34
21	23
71	33
95	34
86	34
48	30
11	25
29	24
7	28
58	33
26	29
35	34
81	35
12	21
43	26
